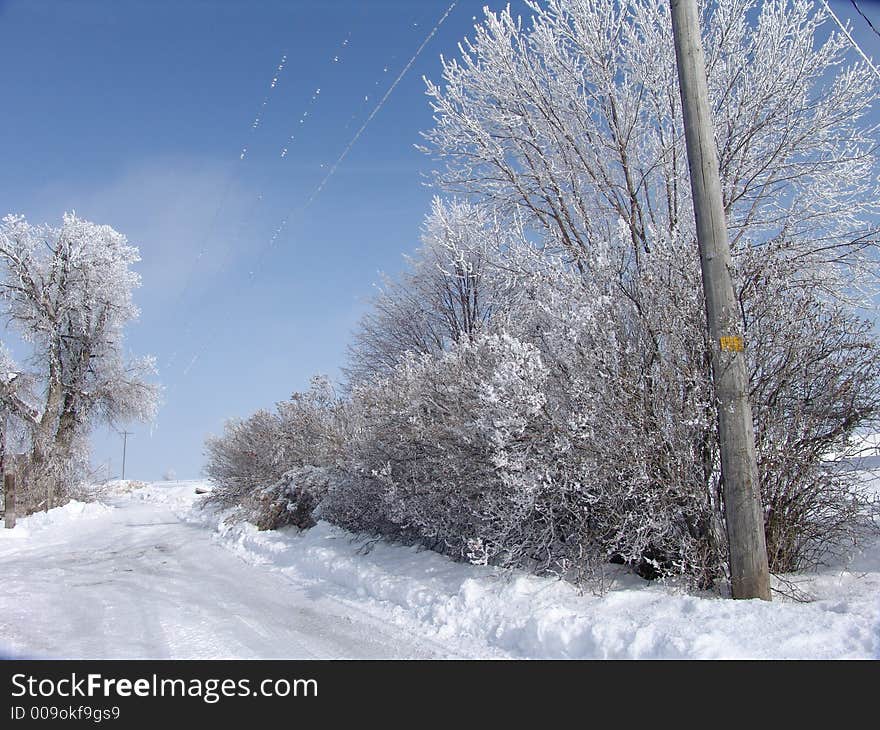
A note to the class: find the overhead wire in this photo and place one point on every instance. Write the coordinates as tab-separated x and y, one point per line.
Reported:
266	249
852	40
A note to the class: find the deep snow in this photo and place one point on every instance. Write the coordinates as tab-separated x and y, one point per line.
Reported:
134	581
150	575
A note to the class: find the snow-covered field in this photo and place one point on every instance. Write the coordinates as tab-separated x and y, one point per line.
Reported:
149	575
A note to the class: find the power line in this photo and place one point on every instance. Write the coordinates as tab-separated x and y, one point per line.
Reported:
337	58
203	241
203	246
850	38
379	106
867	19
262	254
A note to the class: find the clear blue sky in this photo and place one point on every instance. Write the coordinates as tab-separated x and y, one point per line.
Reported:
134	113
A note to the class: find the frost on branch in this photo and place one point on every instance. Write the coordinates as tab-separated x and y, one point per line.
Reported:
448	291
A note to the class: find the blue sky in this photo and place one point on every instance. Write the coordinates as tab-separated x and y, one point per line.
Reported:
134	113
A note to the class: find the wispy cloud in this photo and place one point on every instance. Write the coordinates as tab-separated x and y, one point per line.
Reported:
186	217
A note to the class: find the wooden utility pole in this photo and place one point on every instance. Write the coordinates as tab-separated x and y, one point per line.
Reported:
2	441
9	500
125	435
750	576
7	477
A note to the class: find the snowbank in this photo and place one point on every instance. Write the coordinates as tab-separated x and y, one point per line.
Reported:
118	487
178	495
73	511
454	609
518	615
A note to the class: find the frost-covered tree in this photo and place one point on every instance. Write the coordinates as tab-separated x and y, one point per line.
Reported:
573	122
576	119
448	291
67	292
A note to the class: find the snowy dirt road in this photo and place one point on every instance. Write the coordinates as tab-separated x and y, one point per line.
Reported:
146	573
135	581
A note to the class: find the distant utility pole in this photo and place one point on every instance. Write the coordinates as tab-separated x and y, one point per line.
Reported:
125	435
750	576
2	441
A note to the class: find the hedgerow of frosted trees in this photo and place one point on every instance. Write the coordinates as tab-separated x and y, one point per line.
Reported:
536	389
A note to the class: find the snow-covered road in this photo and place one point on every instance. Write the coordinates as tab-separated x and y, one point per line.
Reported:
135	581
148	574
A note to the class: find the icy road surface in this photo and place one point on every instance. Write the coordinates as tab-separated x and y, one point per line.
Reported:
150	574
134	581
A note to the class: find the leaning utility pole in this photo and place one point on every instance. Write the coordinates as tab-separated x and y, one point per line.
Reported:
749	574
125	435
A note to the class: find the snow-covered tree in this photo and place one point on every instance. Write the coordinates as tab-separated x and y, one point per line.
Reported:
448	291
573	122
67	292
576	120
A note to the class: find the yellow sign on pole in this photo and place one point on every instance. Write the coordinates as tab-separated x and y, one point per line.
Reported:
732	343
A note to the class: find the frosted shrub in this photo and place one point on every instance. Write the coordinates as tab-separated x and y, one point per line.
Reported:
289	501
272	464
627	468
246	457
436	431
815	379
634	446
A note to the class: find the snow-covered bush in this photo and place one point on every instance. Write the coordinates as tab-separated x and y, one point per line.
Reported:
627	468
629	389
437	433
545	449
245	457
815	381
271	463
289	501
